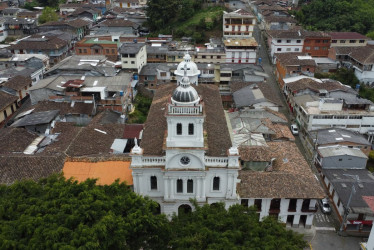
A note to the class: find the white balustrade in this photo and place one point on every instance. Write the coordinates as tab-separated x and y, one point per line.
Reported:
216	161
184	110
153	161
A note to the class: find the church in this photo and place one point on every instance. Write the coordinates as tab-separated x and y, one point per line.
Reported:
186	151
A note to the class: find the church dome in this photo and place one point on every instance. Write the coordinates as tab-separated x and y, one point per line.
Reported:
185	93
192	69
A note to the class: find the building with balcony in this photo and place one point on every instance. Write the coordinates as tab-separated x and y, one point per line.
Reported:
321	104
238	24
241	50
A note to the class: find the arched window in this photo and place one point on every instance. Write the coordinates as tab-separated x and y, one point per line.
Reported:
216	183
189	186
153	183
190	129
179	186
179	128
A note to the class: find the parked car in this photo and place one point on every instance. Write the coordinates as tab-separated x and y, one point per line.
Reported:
294	129
325	206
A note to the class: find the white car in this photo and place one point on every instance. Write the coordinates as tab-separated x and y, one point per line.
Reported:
294	129
325	206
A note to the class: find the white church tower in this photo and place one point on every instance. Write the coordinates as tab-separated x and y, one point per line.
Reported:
192	71
184	171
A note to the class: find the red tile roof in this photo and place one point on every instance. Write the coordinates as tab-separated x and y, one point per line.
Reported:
347	35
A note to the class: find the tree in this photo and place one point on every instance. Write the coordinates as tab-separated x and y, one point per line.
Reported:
48	14
214	227
55	213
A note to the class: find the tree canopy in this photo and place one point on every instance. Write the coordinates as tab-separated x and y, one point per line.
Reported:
214	227
55	213
343	15
183	18
48	14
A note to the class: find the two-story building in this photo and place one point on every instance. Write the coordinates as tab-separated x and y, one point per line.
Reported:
94	46
293	64
241	50
285	41
347	39
317	43
55	48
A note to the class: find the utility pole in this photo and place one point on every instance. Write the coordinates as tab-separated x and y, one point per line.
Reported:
346	208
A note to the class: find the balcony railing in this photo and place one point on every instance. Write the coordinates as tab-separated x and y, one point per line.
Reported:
175	110
153	161
216	161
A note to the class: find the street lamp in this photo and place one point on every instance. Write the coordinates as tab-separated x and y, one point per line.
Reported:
346	208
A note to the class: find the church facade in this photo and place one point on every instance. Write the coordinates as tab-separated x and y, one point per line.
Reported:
184	169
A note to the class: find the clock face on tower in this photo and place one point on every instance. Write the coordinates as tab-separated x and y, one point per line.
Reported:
185	160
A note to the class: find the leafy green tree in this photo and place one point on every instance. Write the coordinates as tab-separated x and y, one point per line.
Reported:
370	35
55	213
48	14
214	227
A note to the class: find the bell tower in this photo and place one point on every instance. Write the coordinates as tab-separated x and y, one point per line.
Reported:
185	117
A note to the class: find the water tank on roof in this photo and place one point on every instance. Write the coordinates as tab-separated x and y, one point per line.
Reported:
135	77
135	41
121	93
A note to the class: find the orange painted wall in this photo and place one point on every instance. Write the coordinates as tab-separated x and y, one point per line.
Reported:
106	171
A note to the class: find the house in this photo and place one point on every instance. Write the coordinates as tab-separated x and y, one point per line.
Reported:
120	26
11	12
94	46
157	54
339	184
347	39
279	22
137	16
256	127
8	105
238	24
133	56
317	43
18	86
29	14
285	41
256	96
133	4
88	65
293	64
322	104
55	48
68	8
106	92
37	61
362	60
92	14
278	181
335	137
78	27
20	26
241	50
39	122
340	157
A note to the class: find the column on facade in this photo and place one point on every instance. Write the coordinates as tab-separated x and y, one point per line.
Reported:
309	221
312	203
284	210
171	187
265	207
198	188
299	204
296	220
229	186
251	202
203	195
166	187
